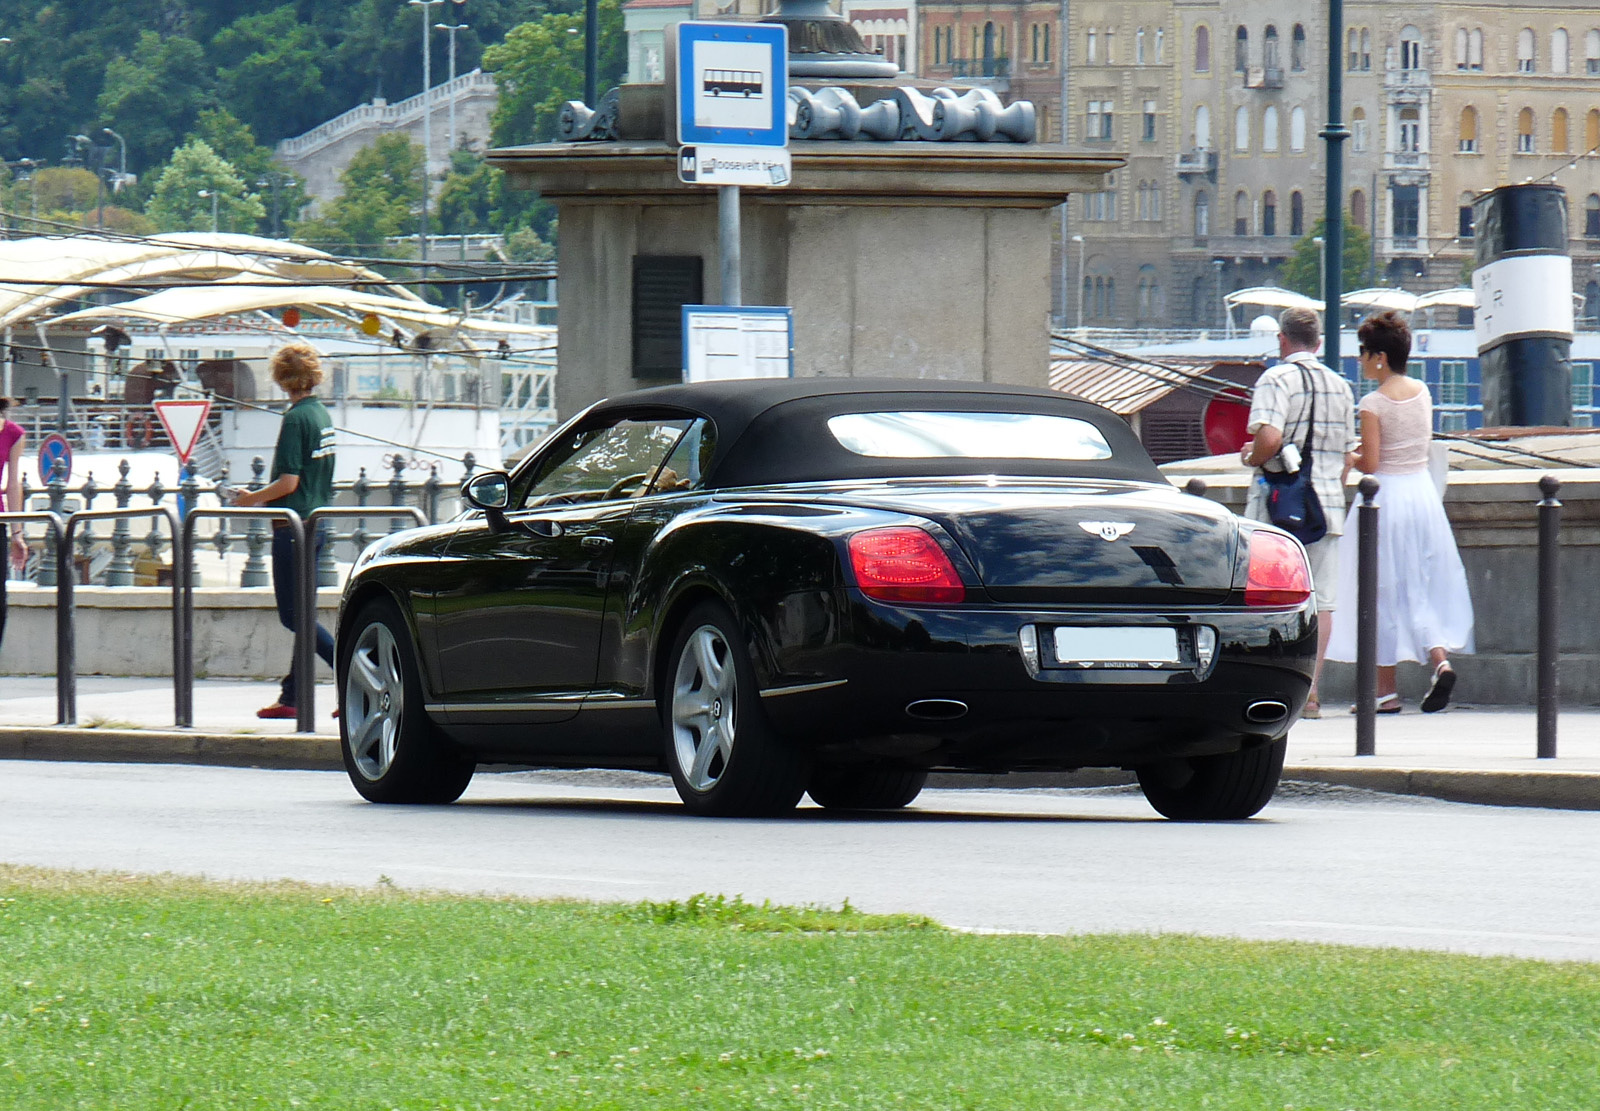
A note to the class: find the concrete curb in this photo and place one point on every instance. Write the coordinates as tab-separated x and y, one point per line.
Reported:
1557	790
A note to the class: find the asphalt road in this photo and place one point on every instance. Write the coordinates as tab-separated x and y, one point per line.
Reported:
1320	864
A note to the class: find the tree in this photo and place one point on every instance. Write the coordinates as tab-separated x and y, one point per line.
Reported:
539	67
282	193
1303	272
272	77
381	196
176	203
154	96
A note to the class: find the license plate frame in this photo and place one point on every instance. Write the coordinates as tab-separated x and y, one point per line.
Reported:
1118	647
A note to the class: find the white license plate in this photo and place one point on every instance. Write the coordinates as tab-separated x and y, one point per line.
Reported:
1112	646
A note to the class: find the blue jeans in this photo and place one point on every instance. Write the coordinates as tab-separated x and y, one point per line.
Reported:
283	580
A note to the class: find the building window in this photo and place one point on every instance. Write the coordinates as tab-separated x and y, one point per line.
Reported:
1591	51
1241	213
1525	131
1138	47
1352	40
1269	48
1464	226
1297	128
1202	127
1453	382
1461	48
1366	49
1468	140
1591	130
1297	49
1358	130
1591	217
1269	128
1241	129
1410	131
1406	208
1475	49
1358	208
1111	55
1202	50
1525	50
1161	46
1558	131
1297	214
1092	55
1149	132
1241	50
1559	50
1202	216
1046	42
1097	121
1410	48
1034	55
1269	213
1583	387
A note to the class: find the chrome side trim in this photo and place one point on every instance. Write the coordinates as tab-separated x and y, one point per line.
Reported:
803	688
520	707
621	704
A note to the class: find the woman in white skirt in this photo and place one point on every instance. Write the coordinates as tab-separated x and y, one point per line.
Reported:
1424	610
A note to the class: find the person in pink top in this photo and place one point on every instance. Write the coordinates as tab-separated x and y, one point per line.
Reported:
11	444
1424	609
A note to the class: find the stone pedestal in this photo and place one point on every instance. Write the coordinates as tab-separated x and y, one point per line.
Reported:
905	259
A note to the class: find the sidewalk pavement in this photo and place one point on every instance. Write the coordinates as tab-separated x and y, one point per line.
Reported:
1467	753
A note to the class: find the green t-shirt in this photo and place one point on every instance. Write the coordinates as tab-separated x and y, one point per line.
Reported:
305	448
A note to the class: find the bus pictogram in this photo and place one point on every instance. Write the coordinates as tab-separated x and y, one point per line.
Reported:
732	82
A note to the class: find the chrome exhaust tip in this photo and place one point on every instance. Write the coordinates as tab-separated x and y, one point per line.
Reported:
936	709
1266	711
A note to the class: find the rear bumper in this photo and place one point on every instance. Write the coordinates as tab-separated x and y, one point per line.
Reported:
1000	713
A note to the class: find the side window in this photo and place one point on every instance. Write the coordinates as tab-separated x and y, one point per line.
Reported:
601	464
686	467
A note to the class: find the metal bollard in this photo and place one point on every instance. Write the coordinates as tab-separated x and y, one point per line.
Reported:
1367	620
1549	615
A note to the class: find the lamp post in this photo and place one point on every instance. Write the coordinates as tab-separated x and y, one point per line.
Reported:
452	28
427	120
1333	222
1322	266
271	181
1078	239
122	157
213	194
1217	264
86	144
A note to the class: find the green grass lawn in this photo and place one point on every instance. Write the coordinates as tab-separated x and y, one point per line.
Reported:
133	993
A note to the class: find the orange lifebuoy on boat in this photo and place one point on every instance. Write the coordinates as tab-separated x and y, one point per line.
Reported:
137	431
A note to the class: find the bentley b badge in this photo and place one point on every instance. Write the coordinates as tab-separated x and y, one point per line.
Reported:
1106	530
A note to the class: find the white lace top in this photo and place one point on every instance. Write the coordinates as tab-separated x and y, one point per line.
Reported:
1405	431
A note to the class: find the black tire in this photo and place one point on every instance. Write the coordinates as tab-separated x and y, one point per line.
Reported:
873	786
384	694
749	770
1215	788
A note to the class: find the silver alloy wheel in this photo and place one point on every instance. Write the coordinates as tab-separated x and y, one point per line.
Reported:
704	694
374	699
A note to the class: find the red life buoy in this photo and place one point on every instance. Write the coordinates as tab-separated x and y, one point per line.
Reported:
137	431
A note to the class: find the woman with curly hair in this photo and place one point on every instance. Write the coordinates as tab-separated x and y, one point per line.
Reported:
302	480
1424	609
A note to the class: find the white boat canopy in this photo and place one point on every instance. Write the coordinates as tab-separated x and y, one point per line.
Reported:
1272	297
1380	298
47	272
180	306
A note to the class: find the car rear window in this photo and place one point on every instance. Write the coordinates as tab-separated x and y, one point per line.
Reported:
960	435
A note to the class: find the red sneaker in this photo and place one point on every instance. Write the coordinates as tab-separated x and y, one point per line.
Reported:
278	710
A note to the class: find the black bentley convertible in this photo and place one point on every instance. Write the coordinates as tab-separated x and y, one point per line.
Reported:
830	586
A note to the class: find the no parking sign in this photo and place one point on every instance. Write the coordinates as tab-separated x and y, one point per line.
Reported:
55	454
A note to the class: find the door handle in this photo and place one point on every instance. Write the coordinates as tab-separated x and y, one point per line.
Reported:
596	543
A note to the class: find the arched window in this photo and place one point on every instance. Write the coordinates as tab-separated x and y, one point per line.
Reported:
1358	130
1202	215
1269	48
1525	131
1591	217
1591	51
1161	45
1241	49
1269	213
1467	142
1155	200
1465	228
1352	41
1149	293
1241	213
1269	128
1035	55
1297	214
1138	47
1241	129
1410	48
1558	131
1525	50
1297	128
1559	49
1358	208
1297	49
1461	48
1410	130
1046	57
1591	130
1092	55
1202	127
1475	49
1202	49
1366	49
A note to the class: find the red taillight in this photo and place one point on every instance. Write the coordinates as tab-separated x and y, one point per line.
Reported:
904	565
1278	572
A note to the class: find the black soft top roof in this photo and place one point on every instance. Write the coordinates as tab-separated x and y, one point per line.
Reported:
775	430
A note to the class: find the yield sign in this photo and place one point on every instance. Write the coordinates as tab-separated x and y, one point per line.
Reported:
183	421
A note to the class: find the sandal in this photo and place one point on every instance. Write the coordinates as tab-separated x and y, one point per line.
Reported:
1438	696
1388	704
1312	712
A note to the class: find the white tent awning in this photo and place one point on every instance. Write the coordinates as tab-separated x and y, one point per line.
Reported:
1273	298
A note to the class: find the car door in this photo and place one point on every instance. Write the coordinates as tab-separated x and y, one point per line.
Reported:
521	600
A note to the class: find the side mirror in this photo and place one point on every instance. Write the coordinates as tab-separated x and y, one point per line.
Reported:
490	490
